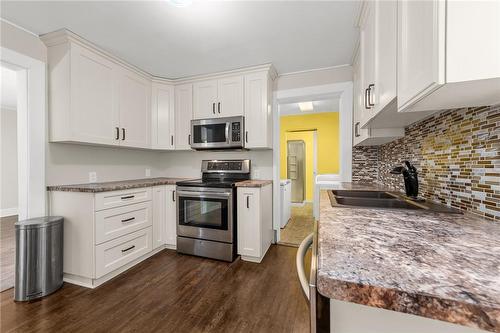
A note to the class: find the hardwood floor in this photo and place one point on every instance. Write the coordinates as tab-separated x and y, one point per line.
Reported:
7	251
300	225
170	292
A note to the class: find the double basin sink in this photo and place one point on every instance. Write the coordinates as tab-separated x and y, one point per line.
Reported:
382	199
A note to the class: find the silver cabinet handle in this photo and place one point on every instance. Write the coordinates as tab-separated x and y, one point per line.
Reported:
356	129
248	201
366	99
128	197
173	195
189	139
171	140
246	136
218	107
370	95
213	107
128	220
299	261
123	134
117	133
128	248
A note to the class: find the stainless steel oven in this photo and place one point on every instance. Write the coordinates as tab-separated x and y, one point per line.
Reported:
218	133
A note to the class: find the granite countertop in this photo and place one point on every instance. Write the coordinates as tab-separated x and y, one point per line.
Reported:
436	265
253	183
116	185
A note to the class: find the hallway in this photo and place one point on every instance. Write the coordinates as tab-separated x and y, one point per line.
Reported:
300	225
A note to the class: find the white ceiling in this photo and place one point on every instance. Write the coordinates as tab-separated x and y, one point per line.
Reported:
205	37
326	105
8	88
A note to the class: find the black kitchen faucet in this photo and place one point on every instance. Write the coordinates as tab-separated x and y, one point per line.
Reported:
410	176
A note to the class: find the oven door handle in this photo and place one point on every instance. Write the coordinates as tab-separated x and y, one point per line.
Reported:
204	195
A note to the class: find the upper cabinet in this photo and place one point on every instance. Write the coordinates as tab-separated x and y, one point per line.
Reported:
92	98
183	115
258	116
162	116
448	54
218	98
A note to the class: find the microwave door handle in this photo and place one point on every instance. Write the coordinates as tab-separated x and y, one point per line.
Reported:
228	124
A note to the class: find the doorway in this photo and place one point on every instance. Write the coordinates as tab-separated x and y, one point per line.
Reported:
296	151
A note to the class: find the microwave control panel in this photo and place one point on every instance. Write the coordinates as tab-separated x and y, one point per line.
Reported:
236	131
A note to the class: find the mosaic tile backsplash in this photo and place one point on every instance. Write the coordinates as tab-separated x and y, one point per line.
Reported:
457	155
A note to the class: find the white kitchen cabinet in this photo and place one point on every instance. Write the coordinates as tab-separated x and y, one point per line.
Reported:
444	62
95	98
183	116
255	225
162	116
134	109
367	136
368	59
170	217
258	117
205	99
159	216
218	98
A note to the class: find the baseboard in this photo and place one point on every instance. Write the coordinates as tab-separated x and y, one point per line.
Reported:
8	212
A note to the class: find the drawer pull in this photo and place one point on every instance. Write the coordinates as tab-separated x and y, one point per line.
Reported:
128	220
128	249
128	197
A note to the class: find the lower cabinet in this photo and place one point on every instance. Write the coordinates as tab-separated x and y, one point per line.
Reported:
255	223
106	233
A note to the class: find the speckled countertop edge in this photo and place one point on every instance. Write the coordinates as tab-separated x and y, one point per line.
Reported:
115	185
468	296
253	183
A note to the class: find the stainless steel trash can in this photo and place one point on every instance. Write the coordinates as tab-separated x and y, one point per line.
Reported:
39	257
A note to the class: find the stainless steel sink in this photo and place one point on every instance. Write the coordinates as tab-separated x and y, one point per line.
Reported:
376	203
382	199
363	194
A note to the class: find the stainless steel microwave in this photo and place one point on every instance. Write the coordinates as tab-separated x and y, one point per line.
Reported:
218	133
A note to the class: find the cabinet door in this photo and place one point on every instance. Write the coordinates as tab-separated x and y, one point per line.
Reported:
183	115
205	99
367	45
249	232
359	134
94	109
162	117
420	60
230	93
257	114
159	216
171	217
386	27
135	110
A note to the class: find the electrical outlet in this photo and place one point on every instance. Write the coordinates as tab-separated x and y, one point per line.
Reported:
148	172
92	177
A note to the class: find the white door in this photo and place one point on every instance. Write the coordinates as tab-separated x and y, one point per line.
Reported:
205	99
256	111
419	71
386	27
183	115
94	108
159	210
248	222
162	117
230	101
171	217
367	45
135	110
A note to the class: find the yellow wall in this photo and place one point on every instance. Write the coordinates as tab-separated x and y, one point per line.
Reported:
327	126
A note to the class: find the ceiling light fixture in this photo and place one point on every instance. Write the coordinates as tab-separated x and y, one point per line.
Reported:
180	3
306	106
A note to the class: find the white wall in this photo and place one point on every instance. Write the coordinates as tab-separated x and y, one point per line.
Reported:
314	78
8	160
188	163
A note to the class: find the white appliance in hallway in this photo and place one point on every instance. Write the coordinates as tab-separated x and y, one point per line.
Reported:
295	168
286	201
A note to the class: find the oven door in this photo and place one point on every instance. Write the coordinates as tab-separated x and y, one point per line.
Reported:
209	134
205	214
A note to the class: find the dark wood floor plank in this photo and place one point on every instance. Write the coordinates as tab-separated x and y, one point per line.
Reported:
171	292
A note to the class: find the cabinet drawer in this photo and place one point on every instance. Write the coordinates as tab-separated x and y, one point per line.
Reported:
120	251
113	199
116	222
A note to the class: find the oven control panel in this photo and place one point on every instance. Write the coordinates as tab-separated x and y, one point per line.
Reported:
231	166
236	131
